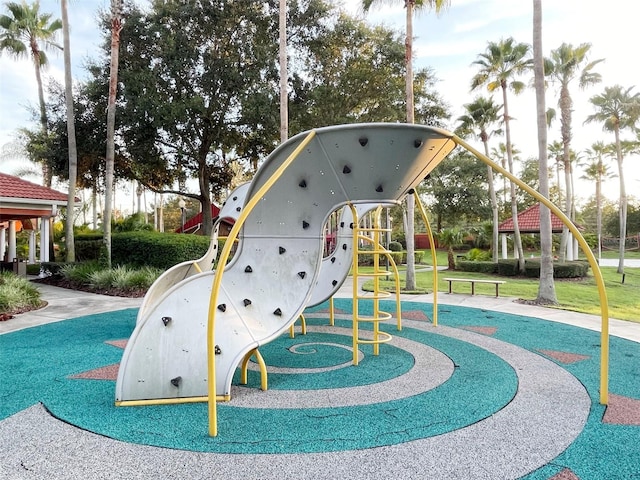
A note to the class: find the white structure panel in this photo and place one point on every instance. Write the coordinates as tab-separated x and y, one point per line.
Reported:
230	210
373	163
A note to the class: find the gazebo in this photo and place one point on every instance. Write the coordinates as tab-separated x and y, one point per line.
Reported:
26	205
528	222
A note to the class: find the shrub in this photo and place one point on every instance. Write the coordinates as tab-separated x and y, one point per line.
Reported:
17	293
395	246
572	269
508	267
476	254
79	272
398	257
477	266
159	250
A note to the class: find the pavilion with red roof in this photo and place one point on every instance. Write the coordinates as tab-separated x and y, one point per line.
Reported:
528	222
26	205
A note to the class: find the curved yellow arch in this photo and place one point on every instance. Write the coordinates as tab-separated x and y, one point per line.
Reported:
604	304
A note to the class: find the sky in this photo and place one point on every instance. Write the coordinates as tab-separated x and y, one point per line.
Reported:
448	43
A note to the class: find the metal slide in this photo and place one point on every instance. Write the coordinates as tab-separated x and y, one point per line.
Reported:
179	272
271	278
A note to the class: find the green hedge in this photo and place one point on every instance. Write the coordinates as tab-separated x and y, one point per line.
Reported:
144	248
509	267
153	249
572	269
477	266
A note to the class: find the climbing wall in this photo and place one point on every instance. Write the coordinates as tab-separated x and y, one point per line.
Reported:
270	279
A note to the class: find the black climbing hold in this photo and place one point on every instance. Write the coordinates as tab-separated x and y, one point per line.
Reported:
341	224
411	191
246	302
333	259
302	274
176	381
224	203
303	184
363	141
248	269
222	307
346	169
379	189
217	350
351	225
238	209
344	246
235	198
334	283
278	312
166	320
417	143
282	250
305	224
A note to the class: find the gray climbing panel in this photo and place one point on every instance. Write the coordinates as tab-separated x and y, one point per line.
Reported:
271	277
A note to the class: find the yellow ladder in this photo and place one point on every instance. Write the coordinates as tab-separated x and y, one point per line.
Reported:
378	316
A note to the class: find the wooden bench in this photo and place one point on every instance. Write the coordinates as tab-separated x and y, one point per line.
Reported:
473	282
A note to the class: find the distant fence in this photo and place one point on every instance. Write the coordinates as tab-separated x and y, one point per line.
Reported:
613	243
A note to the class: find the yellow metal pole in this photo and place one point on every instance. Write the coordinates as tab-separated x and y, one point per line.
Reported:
434	258
224	256
604	304
332	311
376	280
354	268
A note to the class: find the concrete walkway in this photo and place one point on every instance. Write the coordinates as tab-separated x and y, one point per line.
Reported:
63	304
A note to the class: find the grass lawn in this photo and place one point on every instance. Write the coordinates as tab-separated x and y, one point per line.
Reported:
576	295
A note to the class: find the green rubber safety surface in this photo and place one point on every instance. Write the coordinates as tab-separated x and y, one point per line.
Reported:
55	353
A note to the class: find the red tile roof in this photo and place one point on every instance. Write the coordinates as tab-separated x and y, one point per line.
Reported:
196	221
529	221
14	187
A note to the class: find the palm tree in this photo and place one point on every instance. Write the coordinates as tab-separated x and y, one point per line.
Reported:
618	109
481	114
565	64
21	34
450	237
546	286
410	6
71	134
116	27
282	45
555	151
597	171
499	65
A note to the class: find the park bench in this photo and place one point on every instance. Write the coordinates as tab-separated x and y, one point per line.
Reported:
473	282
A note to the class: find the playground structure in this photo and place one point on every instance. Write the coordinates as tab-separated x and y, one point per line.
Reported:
272	276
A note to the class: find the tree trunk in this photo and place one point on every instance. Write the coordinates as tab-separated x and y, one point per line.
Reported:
409	237
71	132
546	286
622	206
494	207
46	171
284	107
116	27
599	209
514	204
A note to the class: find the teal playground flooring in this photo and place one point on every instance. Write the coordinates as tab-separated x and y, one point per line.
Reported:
427	382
